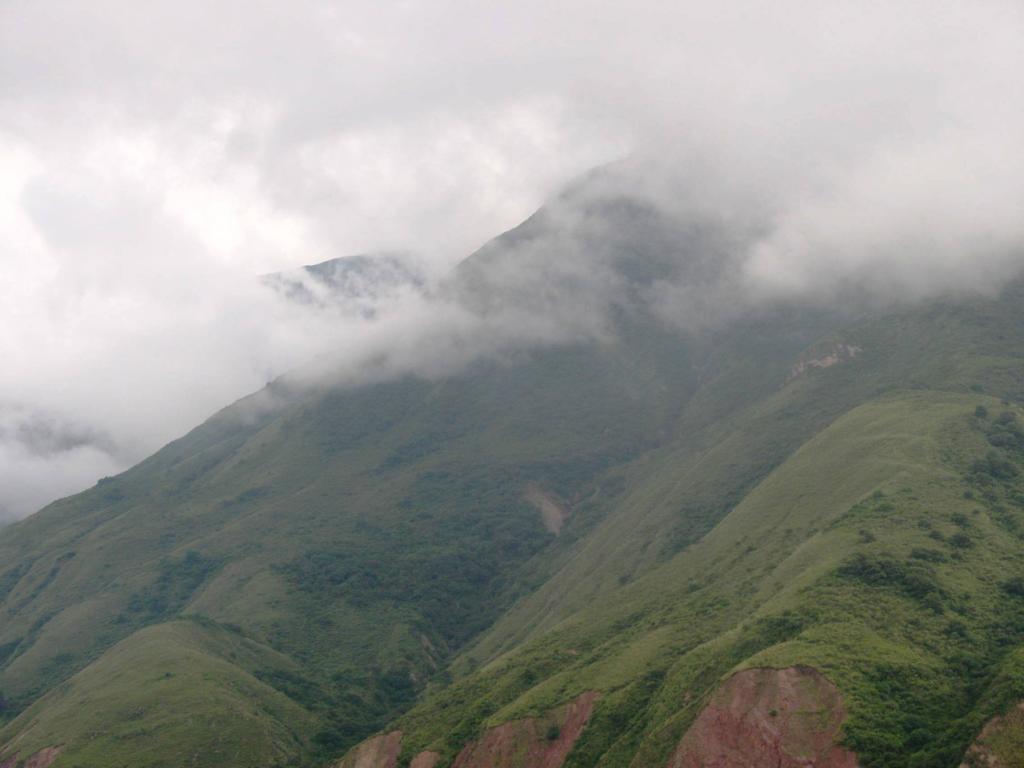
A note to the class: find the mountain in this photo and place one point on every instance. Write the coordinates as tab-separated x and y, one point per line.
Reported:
668	528
353	283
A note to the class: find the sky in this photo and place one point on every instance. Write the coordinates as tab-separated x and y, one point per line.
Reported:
157	157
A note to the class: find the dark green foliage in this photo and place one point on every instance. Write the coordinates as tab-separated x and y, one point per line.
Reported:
109	490
912	720
928	555
1014	586
177	581
246	497
995	466
451	571
295	686
10	578
914	579
961	540
7	650
618	716
348	716
357	540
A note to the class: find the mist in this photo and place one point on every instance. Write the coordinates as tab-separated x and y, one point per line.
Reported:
156	159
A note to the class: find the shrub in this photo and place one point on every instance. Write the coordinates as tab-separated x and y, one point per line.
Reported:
995	465
914	579
1014	586
956	628
928	555
961	540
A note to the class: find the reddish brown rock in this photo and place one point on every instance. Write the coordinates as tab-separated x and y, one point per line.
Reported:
425	760
42	759
541	742
783	718
1000	743
379	752
553	510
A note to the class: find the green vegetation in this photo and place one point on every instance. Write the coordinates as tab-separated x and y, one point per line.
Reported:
313	565
915	637
364	535
153	699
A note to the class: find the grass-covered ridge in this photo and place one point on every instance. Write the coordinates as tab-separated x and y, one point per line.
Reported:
365	535
171	684
849	557
309	565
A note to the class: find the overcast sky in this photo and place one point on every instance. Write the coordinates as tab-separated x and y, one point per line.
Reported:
155	156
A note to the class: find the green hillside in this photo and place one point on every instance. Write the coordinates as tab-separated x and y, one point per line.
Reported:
182	680
640	516
362	534
860	556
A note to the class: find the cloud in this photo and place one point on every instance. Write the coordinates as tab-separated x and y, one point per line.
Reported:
155	158
43	456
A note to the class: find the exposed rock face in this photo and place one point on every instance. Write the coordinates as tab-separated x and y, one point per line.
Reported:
537	742
783	718
554	512
1000	743
425	760
838	354
379	752
42	759
542	742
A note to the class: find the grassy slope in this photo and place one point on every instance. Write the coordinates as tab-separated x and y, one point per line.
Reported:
778	582
365	535
668	632
347	532
153	698
362	534
684	488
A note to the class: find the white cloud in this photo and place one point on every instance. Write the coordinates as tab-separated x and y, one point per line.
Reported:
155	156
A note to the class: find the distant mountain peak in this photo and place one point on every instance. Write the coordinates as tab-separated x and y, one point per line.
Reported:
358	281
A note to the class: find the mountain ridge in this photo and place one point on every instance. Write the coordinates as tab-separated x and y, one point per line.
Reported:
318	563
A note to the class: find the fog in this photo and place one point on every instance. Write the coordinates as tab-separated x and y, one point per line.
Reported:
157	158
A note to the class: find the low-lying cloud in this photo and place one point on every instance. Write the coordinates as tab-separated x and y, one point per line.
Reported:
156	158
